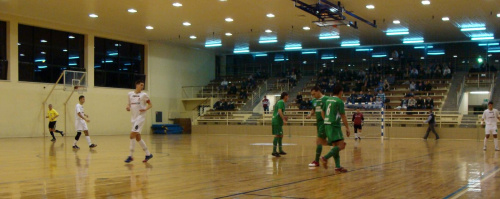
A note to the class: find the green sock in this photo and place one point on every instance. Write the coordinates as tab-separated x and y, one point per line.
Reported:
319	148
275	142
280	143
333	151
336	157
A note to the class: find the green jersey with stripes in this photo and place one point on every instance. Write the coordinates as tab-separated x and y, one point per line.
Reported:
277	120
318	107
333	109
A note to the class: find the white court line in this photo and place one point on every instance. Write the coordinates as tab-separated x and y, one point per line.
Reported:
470	186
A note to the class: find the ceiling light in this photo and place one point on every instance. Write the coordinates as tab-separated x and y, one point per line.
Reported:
370	6
177	4
43	41
396	22
363	49
269	31
268	41
222	0
413	40
445	18
228	34
241	50
65	50
426	2
350	43
397	33
229	19
472	29
186	23
479	92
309	52
270	15
149	27
131	10
43	53
306	28
71	37
93	15
261	55
455	56
192	37
481	38
422	57
293	47
329	37
213	45
498	15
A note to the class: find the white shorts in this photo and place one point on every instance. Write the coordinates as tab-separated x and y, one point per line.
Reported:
491	130
81	126
137	126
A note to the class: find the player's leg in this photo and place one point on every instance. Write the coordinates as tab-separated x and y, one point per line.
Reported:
320	141
77	137
87	137
495	139
138	128
280	143
57	131
360	129
133	138
276	132
338	145
356	132
433	129
487	132
330	137
51	130
427	132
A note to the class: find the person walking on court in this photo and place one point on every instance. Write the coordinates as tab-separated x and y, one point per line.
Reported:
278	121
52	115
81	120
265	105
318	102
138	104
333	113
431	120
491	117
358	120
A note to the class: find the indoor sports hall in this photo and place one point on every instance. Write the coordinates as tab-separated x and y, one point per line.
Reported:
249	99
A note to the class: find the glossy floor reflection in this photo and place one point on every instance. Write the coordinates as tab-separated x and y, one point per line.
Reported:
223	166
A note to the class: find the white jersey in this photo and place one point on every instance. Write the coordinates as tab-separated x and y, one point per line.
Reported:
137	102
490	117
79	109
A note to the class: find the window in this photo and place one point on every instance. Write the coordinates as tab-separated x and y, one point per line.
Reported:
45	53
3	50
118	64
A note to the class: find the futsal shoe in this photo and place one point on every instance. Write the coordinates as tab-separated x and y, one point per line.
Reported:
359	138
275	154
324	162
341	170
129	159
93	146
314	164
282	153
76	147
147	158
497	149
62	133
53	140
484	148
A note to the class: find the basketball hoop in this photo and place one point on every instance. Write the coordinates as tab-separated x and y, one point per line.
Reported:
80	89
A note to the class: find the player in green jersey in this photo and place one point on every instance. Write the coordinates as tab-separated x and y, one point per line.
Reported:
318	102
278	121
333	111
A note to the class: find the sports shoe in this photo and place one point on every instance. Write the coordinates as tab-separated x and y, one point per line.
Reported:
62	133
76	147
148	157
341	170
314	164
92	145
355	139
282	153
497	149
53	140
129	159
275	154
484	148
359	138
324	162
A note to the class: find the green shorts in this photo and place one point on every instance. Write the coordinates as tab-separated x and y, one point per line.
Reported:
321	131
333	134
277	130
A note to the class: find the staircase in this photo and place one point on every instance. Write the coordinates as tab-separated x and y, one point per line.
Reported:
450	103
258	95
496	93
301	84
468	121
253	120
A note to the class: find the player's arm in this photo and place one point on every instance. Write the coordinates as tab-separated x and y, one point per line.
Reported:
482	118
310	114
353	116
280	112
150	105
82	116
344	118
57	115
128	105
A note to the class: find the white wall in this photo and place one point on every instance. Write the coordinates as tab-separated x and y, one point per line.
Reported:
464	106
477	99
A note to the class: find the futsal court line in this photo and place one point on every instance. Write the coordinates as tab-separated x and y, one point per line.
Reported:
252	194
462	190
309	179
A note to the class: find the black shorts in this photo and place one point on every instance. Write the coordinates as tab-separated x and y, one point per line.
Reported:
356	127
52	125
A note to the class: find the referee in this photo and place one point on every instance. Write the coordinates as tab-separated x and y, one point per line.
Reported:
358	119
52	115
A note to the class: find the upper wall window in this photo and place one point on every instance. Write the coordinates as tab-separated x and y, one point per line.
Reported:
3	50
45	53
118	64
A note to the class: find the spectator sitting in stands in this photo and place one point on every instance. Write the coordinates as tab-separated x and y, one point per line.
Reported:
404	102
412	104
359	84
447	72
391	79
410	94
360	97
224	105
353	97
420	103
437	72
429	103
414	73
230	105
346	87
223	85
232	90
244	84
428	73
420	87
380	85
299	99
243	94
413	86
428	86
305	105
378	100
369	97
218	105
381	95
387	85
293	79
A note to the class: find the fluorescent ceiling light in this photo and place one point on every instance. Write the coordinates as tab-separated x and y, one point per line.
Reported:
473	29
397	33
229	19
309	52
186	23
268	41
350	44
379	55
228	34
192	37
42	66
149	27
93	15
479	92
241	51
445	18
261	55
213	45
370	6
306	28
396	22
364	49
423	47
426	2
481	38
177	4
329	37
75	57
413	40
329	57
65	50
43	53
43	41
71	37
435	53
293	47
270	15
131	10
269	31
488	44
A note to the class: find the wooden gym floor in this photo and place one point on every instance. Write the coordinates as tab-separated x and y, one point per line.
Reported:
224	166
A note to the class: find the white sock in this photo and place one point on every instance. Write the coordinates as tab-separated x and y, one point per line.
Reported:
485	140
355	135
144	147
88	140
74	143
132	147
496	142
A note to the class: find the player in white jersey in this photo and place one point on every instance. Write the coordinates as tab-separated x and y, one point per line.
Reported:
81	120
138	104
491	117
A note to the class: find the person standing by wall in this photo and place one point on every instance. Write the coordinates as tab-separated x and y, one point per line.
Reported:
265	104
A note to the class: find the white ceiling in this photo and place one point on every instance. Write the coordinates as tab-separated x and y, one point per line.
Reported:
250	21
